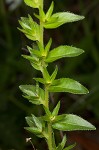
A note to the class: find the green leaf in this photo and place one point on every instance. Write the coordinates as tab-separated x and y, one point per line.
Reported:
53	141
71	123
30	121
33	130
50	11
56	109
41	80
37	122
61	18
67	85
46	75
62	144
47	48
33	3
47	111
31	93
53	76
63	51
70	147
30	28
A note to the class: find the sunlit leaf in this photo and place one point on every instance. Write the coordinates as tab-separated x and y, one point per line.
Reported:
61	18
33	3
63	51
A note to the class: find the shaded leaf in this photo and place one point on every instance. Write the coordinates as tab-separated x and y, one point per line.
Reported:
32	95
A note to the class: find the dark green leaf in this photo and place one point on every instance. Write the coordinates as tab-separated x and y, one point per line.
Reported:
71	123
37	122
67	85
33	130
63	51
30	92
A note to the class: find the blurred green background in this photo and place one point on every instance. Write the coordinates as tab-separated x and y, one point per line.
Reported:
14	71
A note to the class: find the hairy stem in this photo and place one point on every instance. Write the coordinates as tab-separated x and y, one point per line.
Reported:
41	25
49	141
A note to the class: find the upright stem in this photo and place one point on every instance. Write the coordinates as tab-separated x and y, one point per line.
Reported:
49	141
41	25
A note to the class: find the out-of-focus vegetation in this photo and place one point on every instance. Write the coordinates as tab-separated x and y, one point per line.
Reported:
14	70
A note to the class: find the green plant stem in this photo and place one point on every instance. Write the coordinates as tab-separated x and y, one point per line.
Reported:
41	25
49	141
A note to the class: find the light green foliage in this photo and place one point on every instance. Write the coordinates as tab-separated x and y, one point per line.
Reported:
63	51
40	56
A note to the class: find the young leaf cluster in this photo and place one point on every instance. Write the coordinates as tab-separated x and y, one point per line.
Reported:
40	57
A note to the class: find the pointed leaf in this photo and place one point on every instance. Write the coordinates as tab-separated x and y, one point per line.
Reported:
71	123
50	10
62	144
53	76
67	85
47	48
61	18
63	51
41	80
56	109
70	147
53	141
47	111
